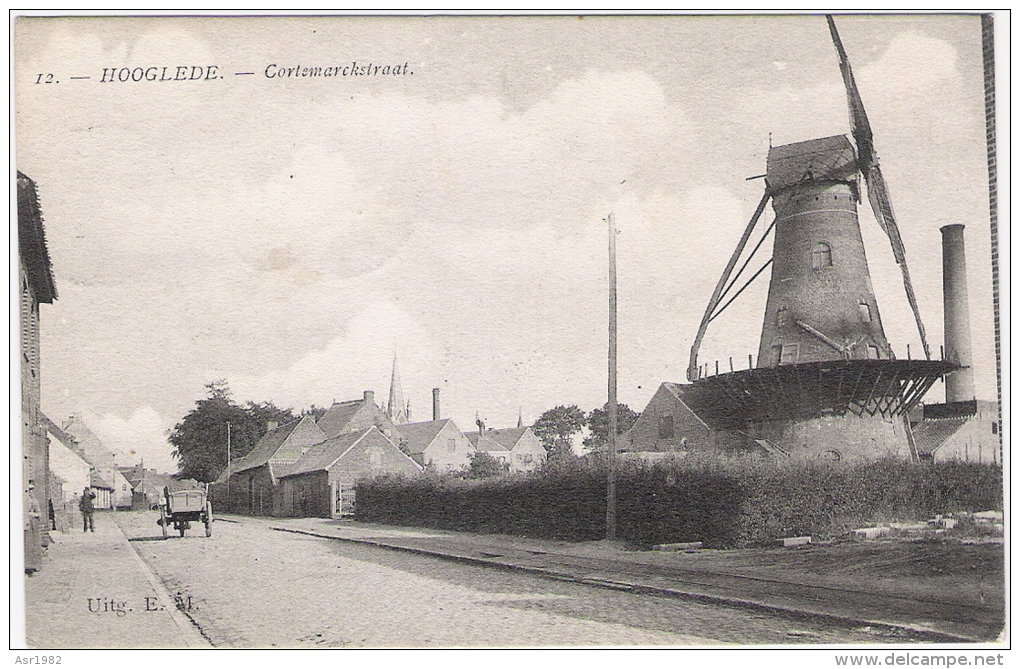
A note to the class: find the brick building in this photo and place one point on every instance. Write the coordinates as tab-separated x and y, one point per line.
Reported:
251	483
69	468
522	450
673	421
437	445
322	483
355	415
36	286
102	460
147	486
967	431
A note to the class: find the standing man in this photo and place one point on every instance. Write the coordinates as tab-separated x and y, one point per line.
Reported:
33	546
88	508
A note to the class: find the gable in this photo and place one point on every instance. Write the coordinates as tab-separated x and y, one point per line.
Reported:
375	454
665	423
264	449
370	415
354	416
305	435
322	455
417	437
442	439
529	443
337	417
933	433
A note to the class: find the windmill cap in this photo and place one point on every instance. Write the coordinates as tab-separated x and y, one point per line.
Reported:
825	159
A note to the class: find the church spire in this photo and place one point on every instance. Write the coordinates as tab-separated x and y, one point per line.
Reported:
396	408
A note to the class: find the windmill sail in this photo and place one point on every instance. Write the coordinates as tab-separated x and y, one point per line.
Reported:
878	193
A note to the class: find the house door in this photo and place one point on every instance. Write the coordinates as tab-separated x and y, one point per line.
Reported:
251	495
337	504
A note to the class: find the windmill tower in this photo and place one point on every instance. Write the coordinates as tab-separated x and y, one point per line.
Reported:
826	382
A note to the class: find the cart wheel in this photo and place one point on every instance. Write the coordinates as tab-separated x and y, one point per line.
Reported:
208	519
180	528
162	520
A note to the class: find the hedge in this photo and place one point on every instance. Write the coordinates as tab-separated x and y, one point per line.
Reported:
723	502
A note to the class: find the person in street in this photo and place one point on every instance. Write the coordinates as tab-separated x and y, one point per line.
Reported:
33	542
88	508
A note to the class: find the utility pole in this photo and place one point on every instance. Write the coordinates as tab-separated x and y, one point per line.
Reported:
228	465
611	474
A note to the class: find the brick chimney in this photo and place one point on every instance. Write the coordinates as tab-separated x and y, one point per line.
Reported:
435	404
956	312
370	396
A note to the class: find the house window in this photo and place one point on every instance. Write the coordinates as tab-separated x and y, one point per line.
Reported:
665	427
782	317
375	458
872	352
788	354
865	312
451	445
995	427
821	255
832	456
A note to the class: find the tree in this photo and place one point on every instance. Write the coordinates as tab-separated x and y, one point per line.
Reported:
200	439
598	425
483	466
556	426
316	412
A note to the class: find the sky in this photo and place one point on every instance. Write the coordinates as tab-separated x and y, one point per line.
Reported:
292	235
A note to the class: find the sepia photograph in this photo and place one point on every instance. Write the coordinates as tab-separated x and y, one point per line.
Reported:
508	331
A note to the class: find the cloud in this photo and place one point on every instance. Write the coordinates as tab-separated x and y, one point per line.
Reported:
356	359
142	436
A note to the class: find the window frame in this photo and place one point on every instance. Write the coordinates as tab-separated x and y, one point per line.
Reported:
823	251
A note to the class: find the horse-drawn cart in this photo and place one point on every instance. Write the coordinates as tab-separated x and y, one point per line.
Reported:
183	507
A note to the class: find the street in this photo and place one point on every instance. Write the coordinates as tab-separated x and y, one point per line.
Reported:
251	586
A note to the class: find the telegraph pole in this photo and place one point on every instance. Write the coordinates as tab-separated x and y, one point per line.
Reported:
611	474
228	464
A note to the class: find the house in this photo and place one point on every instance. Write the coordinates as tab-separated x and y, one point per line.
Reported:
519	448
322	482
68	470
524	449
102	459
35	280
251	483
966	431
356	415
103	490
147	485
437	445
674	421
482	442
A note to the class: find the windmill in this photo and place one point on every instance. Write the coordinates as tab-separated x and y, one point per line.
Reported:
824	364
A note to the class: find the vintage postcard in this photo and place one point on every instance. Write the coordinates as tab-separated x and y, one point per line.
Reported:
505	331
